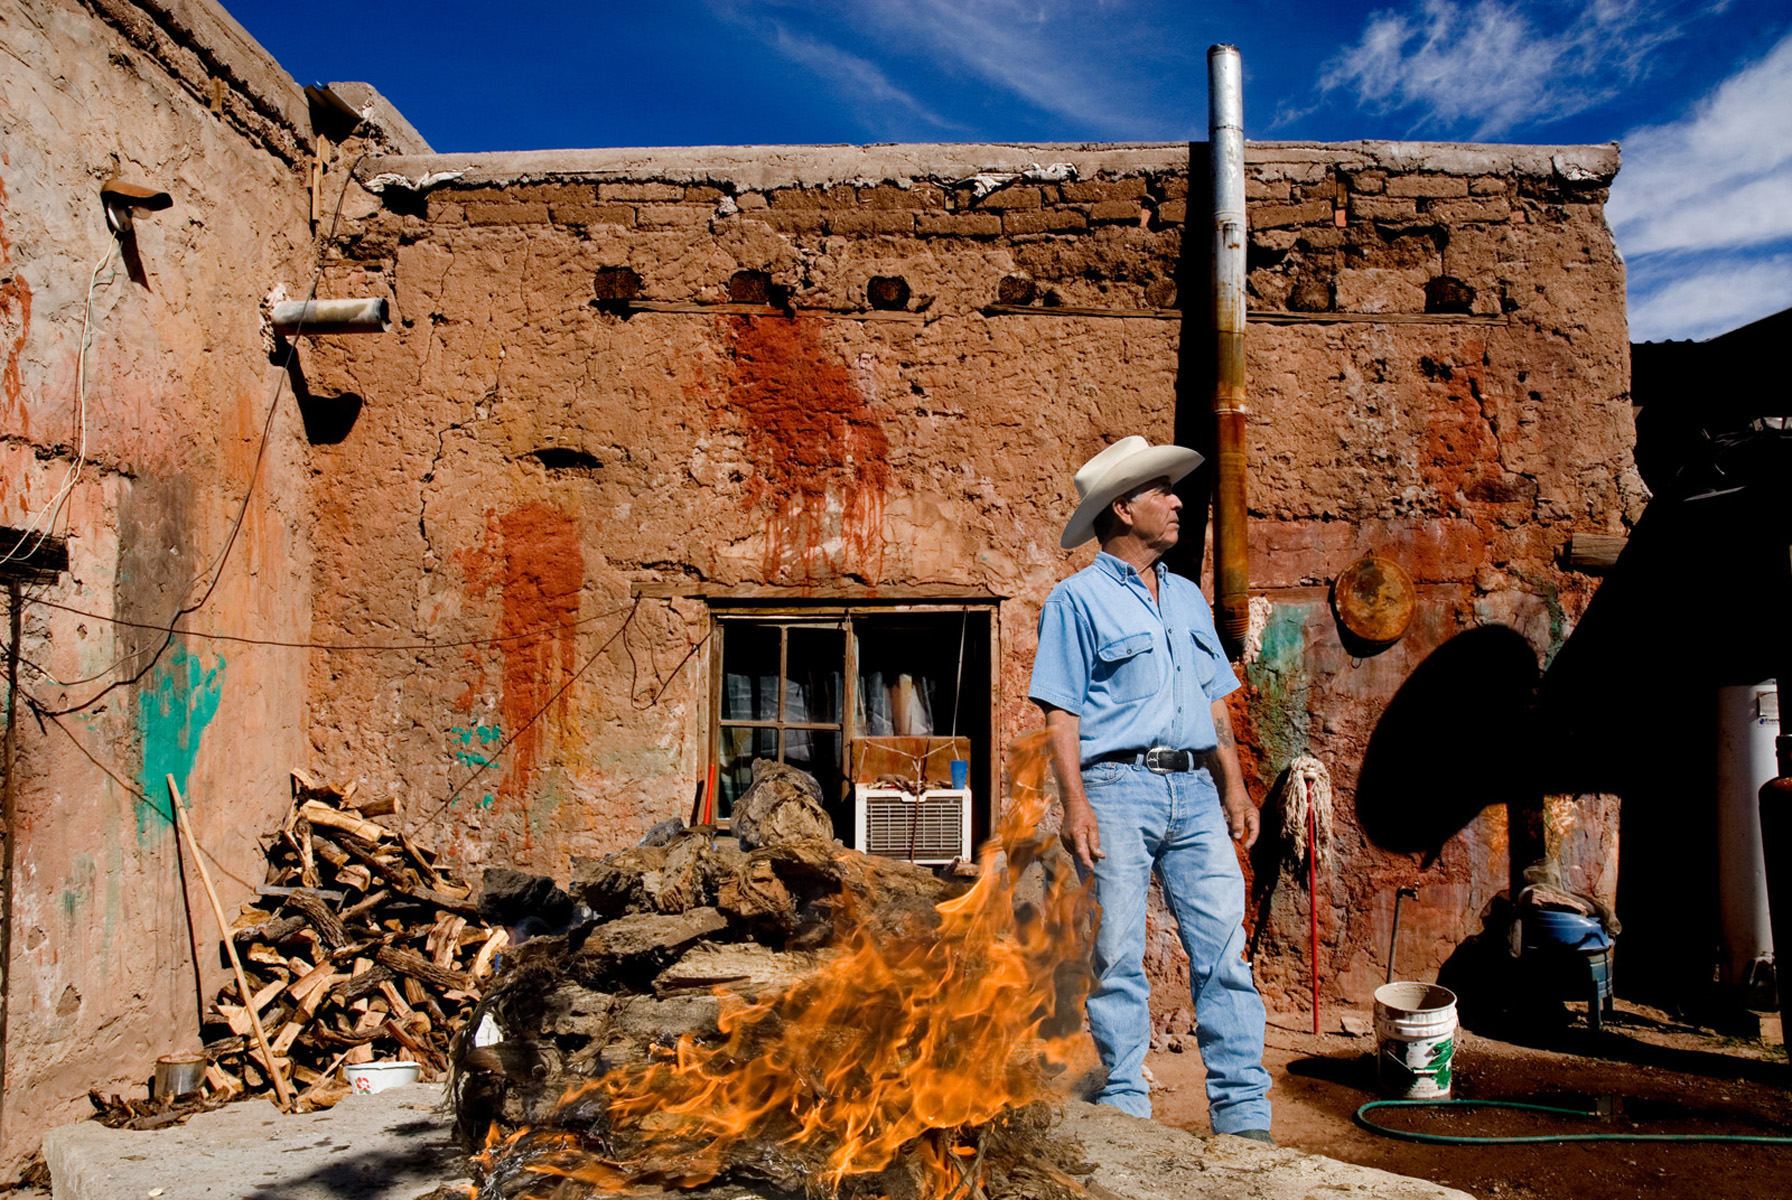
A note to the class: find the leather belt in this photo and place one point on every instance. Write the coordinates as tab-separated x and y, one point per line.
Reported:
1160	760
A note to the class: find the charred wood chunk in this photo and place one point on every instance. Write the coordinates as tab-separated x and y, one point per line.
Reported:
513	898
632	949
614	886
782	803
612	284
1016	289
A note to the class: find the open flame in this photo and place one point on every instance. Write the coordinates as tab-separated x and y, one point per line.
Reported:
894	1049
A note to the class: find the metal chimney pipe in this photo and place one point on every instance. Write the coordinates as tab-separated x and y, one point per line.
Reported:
292	317
1225	139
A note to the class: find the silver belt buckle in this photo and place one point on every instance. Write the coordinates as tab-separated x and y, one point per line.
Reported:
1157	758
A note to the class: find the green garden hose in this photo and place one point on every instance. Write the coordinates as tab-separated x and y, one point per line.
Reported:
1444	1139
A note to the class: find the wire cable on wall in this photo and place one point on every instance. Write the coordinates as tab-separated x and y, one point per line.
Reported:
45	520
216	570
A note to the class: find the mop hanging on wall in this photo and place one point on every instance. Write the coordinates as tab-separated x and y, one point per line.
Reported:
1307	812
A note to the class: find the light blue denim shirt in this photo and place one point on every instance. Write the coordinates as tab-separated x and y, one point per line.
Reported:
1135	673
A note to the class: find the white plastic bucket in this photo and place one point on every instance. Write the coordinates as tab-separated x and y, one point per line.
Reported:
1415	1036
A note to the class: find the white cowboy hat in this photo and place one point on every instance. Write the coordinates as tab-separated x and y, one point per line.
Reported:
1118	469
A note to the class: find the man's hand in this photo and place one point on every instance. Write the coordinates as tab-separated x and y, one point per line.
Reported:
1081	833
1242	819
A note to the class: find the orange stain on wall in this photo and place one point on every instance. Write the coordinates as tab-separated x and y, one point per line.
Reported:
813	442
534	558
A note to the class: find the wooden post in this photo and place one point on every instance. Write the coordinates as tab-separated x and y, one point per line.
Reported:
7	830
282	1088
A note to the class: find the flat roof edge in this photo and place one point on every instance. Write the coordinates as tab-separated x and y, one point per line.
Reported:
757	168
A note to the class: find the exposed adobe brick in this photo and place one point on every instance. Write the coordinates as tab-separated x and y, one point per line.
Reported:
1315	238
697	194
444	209
528	213
750	201
1462	212
547	193
671	214
1369	183
652	193
592	214
788	199
1427	185
1172	212
1381	208
1256	190
1487	185
1171	187
1012	196
1097	190
795	220
1115	210
1045	220
889	196
1279	216
929	224
865	221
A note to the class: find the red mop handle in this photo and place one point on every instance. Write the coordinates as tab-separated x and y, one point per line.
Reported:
1313	894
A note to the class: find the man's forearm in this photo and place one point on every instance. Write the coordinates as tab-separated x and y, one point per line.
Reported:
1228	779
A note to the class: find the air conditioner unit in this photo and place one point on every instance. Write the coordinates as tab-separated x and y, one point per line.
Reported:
889	821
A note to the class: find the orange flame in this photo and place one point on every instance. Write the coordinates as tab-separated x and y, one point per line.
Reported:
890	1040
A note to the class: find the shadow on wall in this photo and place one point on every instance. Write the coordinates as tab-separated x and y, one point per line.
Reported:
1452	742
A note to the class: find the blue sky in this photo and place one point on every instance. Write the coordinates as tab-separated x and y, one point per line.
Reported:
1700	94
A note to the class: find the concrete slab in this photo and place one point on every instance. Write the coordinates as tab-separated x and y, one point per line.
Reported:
393	1145
396	1146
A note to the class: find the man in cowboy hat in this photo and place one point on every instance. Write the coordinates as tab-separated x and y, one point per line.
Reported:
1132	679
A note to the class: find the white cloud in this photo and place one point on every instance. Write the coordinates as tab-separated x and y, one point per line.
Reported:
1707	296
1487	65
857	78
1064	57
1720	176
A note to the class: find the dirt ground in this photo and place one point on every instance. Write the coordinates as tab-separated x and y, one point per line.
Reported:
1663	1077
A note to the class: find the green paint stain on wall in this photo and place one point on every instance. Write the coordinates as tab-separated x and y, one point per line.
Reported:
76	893
480	735
1280	675
173	709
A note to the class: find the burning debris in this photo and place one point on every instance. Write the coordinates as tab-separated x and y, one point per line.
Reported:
791	1016
363	951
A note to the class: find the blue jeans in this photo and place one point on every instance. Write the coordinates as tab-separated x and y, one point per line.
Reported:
1173	823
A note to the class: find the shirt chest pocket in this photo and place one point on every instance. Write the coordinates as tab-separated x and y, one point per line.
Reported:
1128	669
1202	661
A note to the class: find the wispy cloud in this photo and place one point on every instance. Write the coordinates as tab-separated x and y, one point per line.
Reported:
1720	176
1061	57
1707	295
1487	66
858	80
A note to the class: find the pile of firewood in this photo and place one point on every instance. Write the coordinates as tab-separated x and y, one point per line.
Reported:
359	950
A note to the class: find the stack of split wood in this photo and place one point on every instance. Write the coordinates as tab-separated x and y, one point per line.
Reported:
358	950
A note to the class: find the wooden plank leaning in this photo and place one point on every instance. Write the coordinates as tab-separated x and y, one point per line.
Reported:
282	1089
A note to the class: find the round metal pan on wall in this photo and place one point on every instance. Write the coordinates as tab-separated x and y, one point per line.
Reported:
1373	600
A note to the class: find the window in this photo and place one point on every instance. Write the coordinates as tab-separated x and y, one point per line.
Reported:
867	694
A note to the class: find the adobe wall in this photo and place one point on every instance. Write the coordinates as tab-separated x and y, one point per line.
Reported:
178	380
523	451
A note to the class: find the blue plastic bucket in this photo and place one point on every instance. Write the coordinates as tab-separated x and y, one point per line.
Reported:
1546	929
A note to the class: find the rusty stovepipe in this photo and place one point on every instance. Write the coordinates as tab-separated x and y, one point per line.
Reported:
1225	109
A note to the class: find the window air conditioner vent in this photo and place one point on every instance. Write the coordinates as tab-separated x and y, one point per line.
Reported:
889	820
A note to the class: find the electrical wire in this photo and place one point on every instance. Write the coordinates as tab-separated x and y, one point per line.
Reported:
540	631
216	570
1443	1139
485	763
48	513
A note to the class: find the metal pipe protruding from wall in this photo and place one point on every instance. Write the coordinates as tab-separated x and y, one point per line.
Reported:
1225	126
293	317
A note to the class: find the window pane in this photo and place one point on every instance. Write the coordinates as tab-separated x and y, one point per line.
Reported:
750	673
816	751
816	664
735	771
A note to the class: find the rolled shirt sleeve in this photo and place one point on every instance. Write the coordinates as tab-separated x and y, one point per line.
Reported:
1061	669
